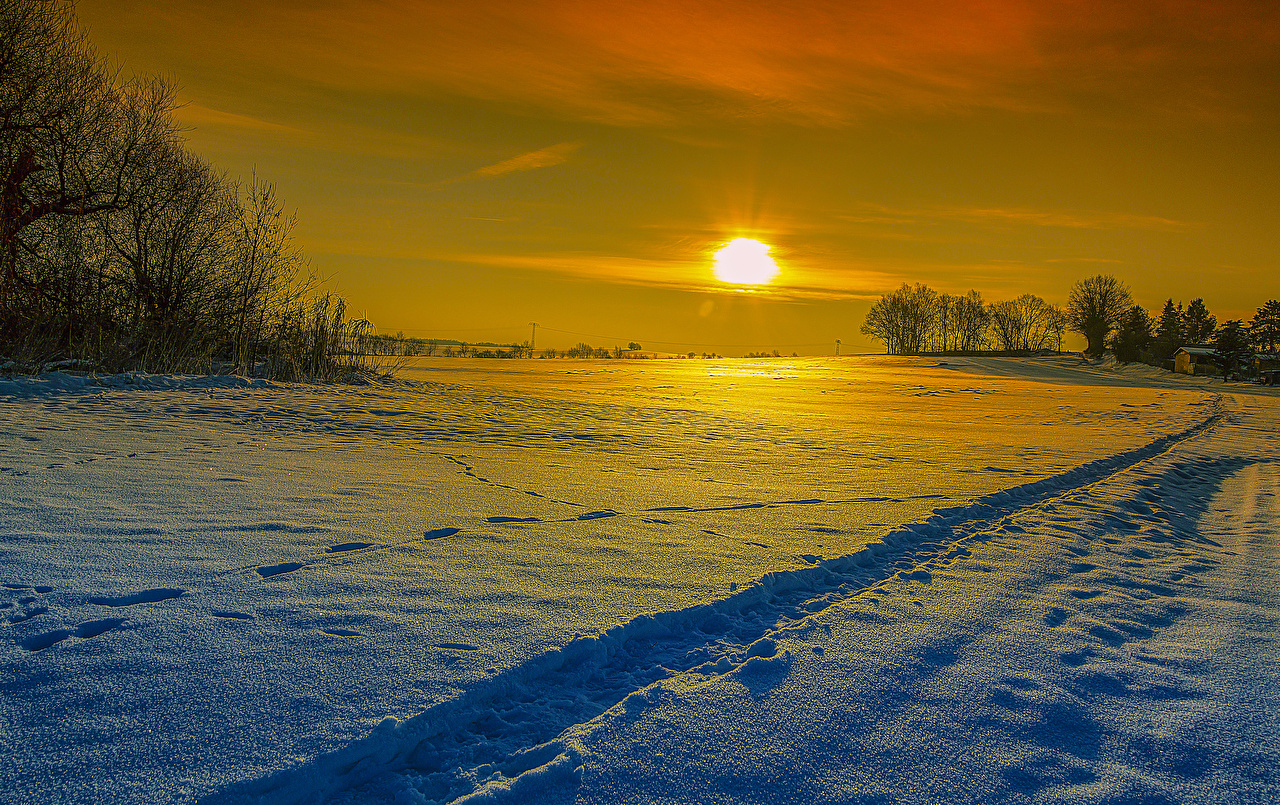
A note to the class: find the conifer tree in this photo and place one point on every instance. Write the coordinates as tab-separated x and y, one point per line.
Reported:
1232	350
1133	336
1264	330
1198	324
1168	335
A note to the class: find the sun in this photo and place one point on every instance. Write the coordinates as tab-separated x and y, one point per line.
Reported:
743	261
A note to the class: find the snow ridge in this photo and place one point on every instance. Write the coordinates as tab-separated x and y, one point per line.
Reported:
512	734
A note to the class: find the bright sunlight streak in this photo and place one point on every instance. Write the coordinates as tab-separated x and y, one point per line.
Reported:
743	261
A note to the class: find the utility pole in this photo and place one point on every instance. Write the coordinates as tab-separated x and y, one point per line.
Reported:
533	337
837	346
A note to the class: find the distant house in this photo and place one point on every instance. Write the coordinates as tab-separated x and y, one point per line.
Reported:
1267	368
1195	360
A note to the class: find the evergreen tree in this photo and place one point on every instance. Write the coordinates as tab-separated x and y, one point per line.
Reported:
1168	332
1170	326
1233	350
1264	330
1198	324
1133	335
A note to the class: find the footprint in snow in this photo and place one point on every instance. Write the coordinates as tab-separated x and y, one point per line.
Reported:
39	589
231	615
596	515
457	646
26	615
267	571
90	629
40	642
1086	594
511	519
85	631
143	597
437	533
1056	616
348	546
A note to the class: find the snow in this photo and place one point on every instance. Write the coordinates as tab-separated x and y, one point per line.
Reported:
856	580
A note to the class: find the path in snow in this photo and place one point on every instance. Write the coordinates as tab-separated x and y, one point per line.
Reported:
207	583
1111	642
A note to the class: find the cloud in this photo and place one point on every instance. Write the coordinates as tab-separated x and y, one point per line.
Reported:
1082	260
542	158
194	114
683	273
1071	219
824	62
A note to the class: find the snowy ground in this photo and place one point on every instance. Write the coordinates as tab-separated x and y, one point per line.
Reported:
665	581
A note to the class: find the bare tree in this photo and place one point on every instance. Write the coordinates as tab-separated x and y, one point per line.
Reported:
972	322
266	268
904	319
944	332
176	244
1025	323
71	130
1095	307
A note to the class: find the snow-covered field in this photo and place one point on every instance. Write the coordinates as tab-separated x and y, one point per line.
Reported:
831	580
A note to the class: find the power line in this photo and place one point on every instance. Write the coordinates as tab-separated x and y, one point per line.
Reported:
451	329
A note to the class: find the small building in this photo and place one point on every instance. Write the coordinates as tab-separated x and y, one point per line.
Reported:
1267	368
1195	361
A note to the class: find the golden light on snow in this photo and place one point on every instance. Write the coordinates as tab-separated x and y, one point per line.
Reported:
743	261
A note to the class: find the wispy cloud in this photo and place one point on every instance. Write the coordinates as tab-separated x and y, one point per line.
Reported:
797	282
532	160
874	214
193	114
669	62
1082	260
1070	220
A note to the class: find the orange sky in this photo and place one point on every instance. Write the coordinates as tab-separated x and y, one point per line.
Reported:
462	169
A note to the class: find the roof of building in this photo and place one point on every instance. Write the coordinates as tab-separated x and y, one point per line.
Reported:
1201	351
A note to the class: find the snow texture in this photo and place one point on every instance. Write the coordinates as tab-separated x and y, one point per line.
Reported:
874	580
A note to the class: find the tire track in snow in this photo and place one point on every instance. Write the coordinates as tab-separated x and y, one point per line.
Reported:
506	725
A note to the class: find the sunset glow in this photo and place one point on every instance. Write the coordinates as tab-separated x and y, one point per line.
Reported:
743	261
460	170
610	402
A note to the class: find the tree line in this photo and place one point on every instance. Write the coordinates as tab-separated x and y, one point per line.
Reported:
121	249
916	319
